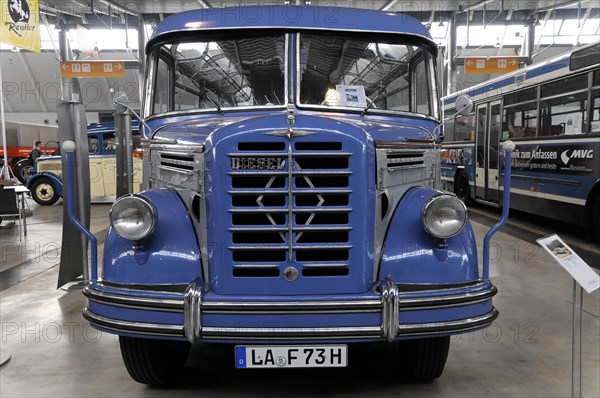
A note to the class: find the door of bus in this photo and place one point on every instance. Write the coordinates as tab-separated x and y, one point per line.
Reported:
486	165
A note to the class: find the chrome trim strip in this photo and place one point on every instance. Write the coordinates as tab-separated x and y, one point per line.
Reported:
416	302
283	307
320	191
176	170
285	247
258	154
129	288
320	228
321	172
270	173
315	333
224	333
297	154
258	210
157	303
324	265
262	266
419	329
257	192
400	168
266	173
172	145
133	327
258	229
291	238
295	210
322	209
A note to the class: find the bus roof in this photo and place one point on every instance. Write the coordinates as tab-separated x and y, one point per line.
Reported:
300	17
546	70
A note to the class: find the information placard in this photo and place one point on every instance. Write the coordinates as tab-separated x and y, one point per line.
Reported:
583	274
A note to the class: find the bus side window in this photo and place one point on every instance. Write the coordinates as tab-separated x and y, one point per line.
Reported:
109	144
564	115
595	124
161	90
520	121
93	145
465	128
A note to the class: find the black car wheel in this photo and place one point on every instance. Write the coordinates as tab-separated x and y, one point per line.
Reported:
22	170
154	362
596	219
424	359
461	187
44	192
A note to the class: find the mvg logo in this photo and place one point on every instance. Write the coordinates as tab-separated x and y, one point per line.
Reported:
576	154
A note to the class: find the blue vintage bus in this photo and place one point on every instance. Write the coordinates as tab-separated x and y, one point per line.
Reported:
551	110
291	201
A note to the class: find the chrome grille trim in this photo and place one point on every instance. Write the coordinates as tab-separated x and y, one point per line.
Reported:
294	210
304	201
296	154
285	247
320	173
255	265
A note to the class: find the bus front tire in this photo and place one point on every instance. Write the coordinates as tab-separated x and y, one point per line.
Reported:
424	359
44	192
596	219
154	362
461	187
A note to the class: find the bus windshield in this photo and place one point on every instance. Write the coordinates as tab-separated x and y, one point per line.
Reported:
366	73
219	73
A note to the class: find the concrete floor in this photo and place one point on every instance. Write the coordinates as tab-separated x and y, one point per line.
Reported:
525	353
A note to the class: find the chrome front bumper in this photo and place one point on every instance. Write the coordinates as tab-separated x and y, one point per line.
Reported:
194	305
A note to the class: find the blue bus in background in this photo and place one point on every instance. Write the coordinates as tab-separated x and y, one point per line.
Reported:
291	201
551	111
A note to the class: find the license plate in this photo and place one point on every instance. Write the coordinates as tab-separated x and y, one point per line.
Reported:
309	356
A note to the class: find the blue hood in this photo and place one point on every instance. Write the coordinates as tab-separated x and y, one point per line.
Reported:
208	129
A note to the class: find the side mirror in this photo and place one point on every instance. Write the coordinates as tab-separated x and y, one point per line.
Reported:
463	105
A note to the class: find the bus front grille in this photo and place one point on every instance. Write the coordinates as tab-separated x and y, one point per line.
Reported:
290	205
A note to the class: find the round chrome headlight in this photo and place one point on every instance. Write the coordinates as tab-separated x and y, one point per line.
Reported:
133	217
444	216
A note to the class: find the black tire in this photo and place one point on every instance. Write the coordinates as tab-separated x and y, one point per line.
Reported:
22	170
461	187
154	362
596	219
424	359
44	192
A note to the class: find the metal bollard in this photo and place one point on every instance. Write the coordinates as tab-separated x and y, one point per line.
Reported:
508	147
69	148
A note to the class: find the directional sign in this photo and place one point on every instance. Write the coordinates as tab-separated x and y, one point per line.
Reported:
491	65
92	69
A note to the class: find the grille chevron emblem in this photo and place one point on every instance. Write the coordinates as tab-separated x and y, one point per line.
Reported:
289	133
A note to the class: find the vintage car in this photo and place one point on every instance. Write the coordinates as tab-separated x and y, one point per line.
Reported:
291	201
45	181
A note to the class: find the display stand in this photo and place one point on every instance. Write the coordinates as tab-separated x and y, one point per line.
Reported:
584	277
576	343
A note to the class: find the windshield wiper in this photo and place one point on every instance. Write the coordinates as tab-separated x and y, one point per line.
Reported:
373	101
216	104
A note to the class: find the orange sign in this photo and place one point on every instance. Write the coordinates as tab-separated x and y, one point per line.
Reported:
92	69
491	65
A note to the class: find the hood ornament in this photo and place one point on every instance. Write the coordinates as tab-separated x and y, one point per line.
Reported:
290	132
